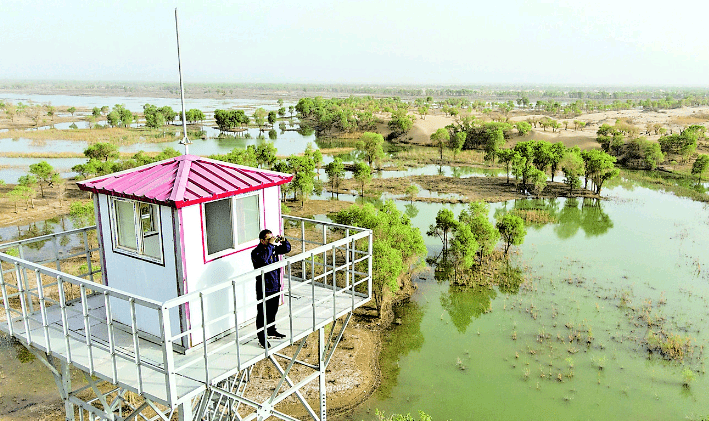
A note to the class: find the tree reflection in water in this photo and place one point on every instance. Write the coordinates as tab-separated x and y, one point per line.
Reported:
397	343
568	215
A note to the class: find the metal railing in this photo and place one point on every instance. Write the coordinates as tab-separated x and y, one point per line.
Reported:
56	312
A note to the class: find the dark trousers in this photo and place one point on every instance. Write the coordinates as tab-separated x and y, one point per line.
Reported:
271	310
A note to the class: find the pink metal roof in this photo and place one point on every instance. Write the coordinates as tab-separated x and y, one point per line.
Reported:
184	180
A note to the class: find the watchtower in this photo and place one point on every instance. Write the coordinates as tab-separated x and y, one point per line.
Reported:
165	303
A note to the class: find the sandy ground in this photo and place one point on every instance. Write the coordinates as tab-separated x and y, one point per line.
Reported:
673	120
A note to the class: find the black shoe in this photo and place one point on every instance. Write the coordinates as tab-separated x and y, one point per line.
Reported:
276	335
262	345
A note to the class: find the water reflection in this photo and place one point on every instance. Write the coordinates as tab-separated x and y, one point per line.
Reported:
465	304
411	210
568	215
398	343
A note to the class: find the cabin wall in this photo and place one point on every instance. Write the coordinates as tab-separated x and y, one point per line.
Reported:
140	277
202	272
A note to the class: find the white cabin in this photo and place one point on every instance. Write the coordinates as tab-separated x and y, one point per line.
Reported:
182	225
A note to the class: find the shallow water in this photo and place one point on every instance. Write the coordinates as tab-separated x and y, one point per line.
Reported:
136	103
455	358
287	143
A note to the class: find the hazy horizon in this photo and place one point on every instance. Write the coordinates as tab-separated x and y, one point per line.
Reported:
605	43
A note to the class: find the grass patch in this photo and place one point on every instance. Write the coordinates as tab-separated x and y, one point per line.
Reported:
670	346
115	135
678	184
535	216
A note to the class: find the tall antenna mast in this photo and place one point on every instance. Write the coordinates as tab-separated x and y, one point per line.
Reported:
185	141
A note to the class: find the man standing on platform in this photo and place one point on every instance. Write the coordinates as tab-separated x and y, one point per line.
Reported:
265	253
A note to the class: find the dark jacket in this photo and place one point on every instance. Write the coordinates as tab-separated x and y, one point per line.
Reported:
265	255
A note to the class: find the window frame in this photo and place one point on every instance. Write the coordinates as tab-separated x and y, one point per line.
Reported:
237	247
139	250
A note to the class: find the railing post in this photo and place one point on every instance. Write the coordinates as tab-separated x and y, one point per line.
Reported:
43	311
322	369
65	319
349	269
57	260
5	302
302	243
334	283
24	278
136	344
290	304
236	326
263	313
111	337
87	249
369	268
312	284
23	305
87	327
168	354
204	339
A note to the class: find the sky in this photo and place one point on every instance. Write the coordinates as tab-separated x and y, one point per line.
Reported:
383	42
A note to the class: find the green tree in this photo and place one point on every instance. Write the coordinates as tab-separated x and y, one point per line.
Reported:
522	164
456	143
362	173
573	167
266	154
371	147
113	119
556	154
600	167
240	156
51	111
21	193
260	117
523	127
495	140
411	192
103	151
153	118
484	232
126	117
272	117
303	184
463	247
82	214
537	179
643	153
335	170
28	183
700	166
400	123
223	120
440	139
512	231
506	156
71	110
194	115
44	173
168	113
396	243
445	223
314	155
